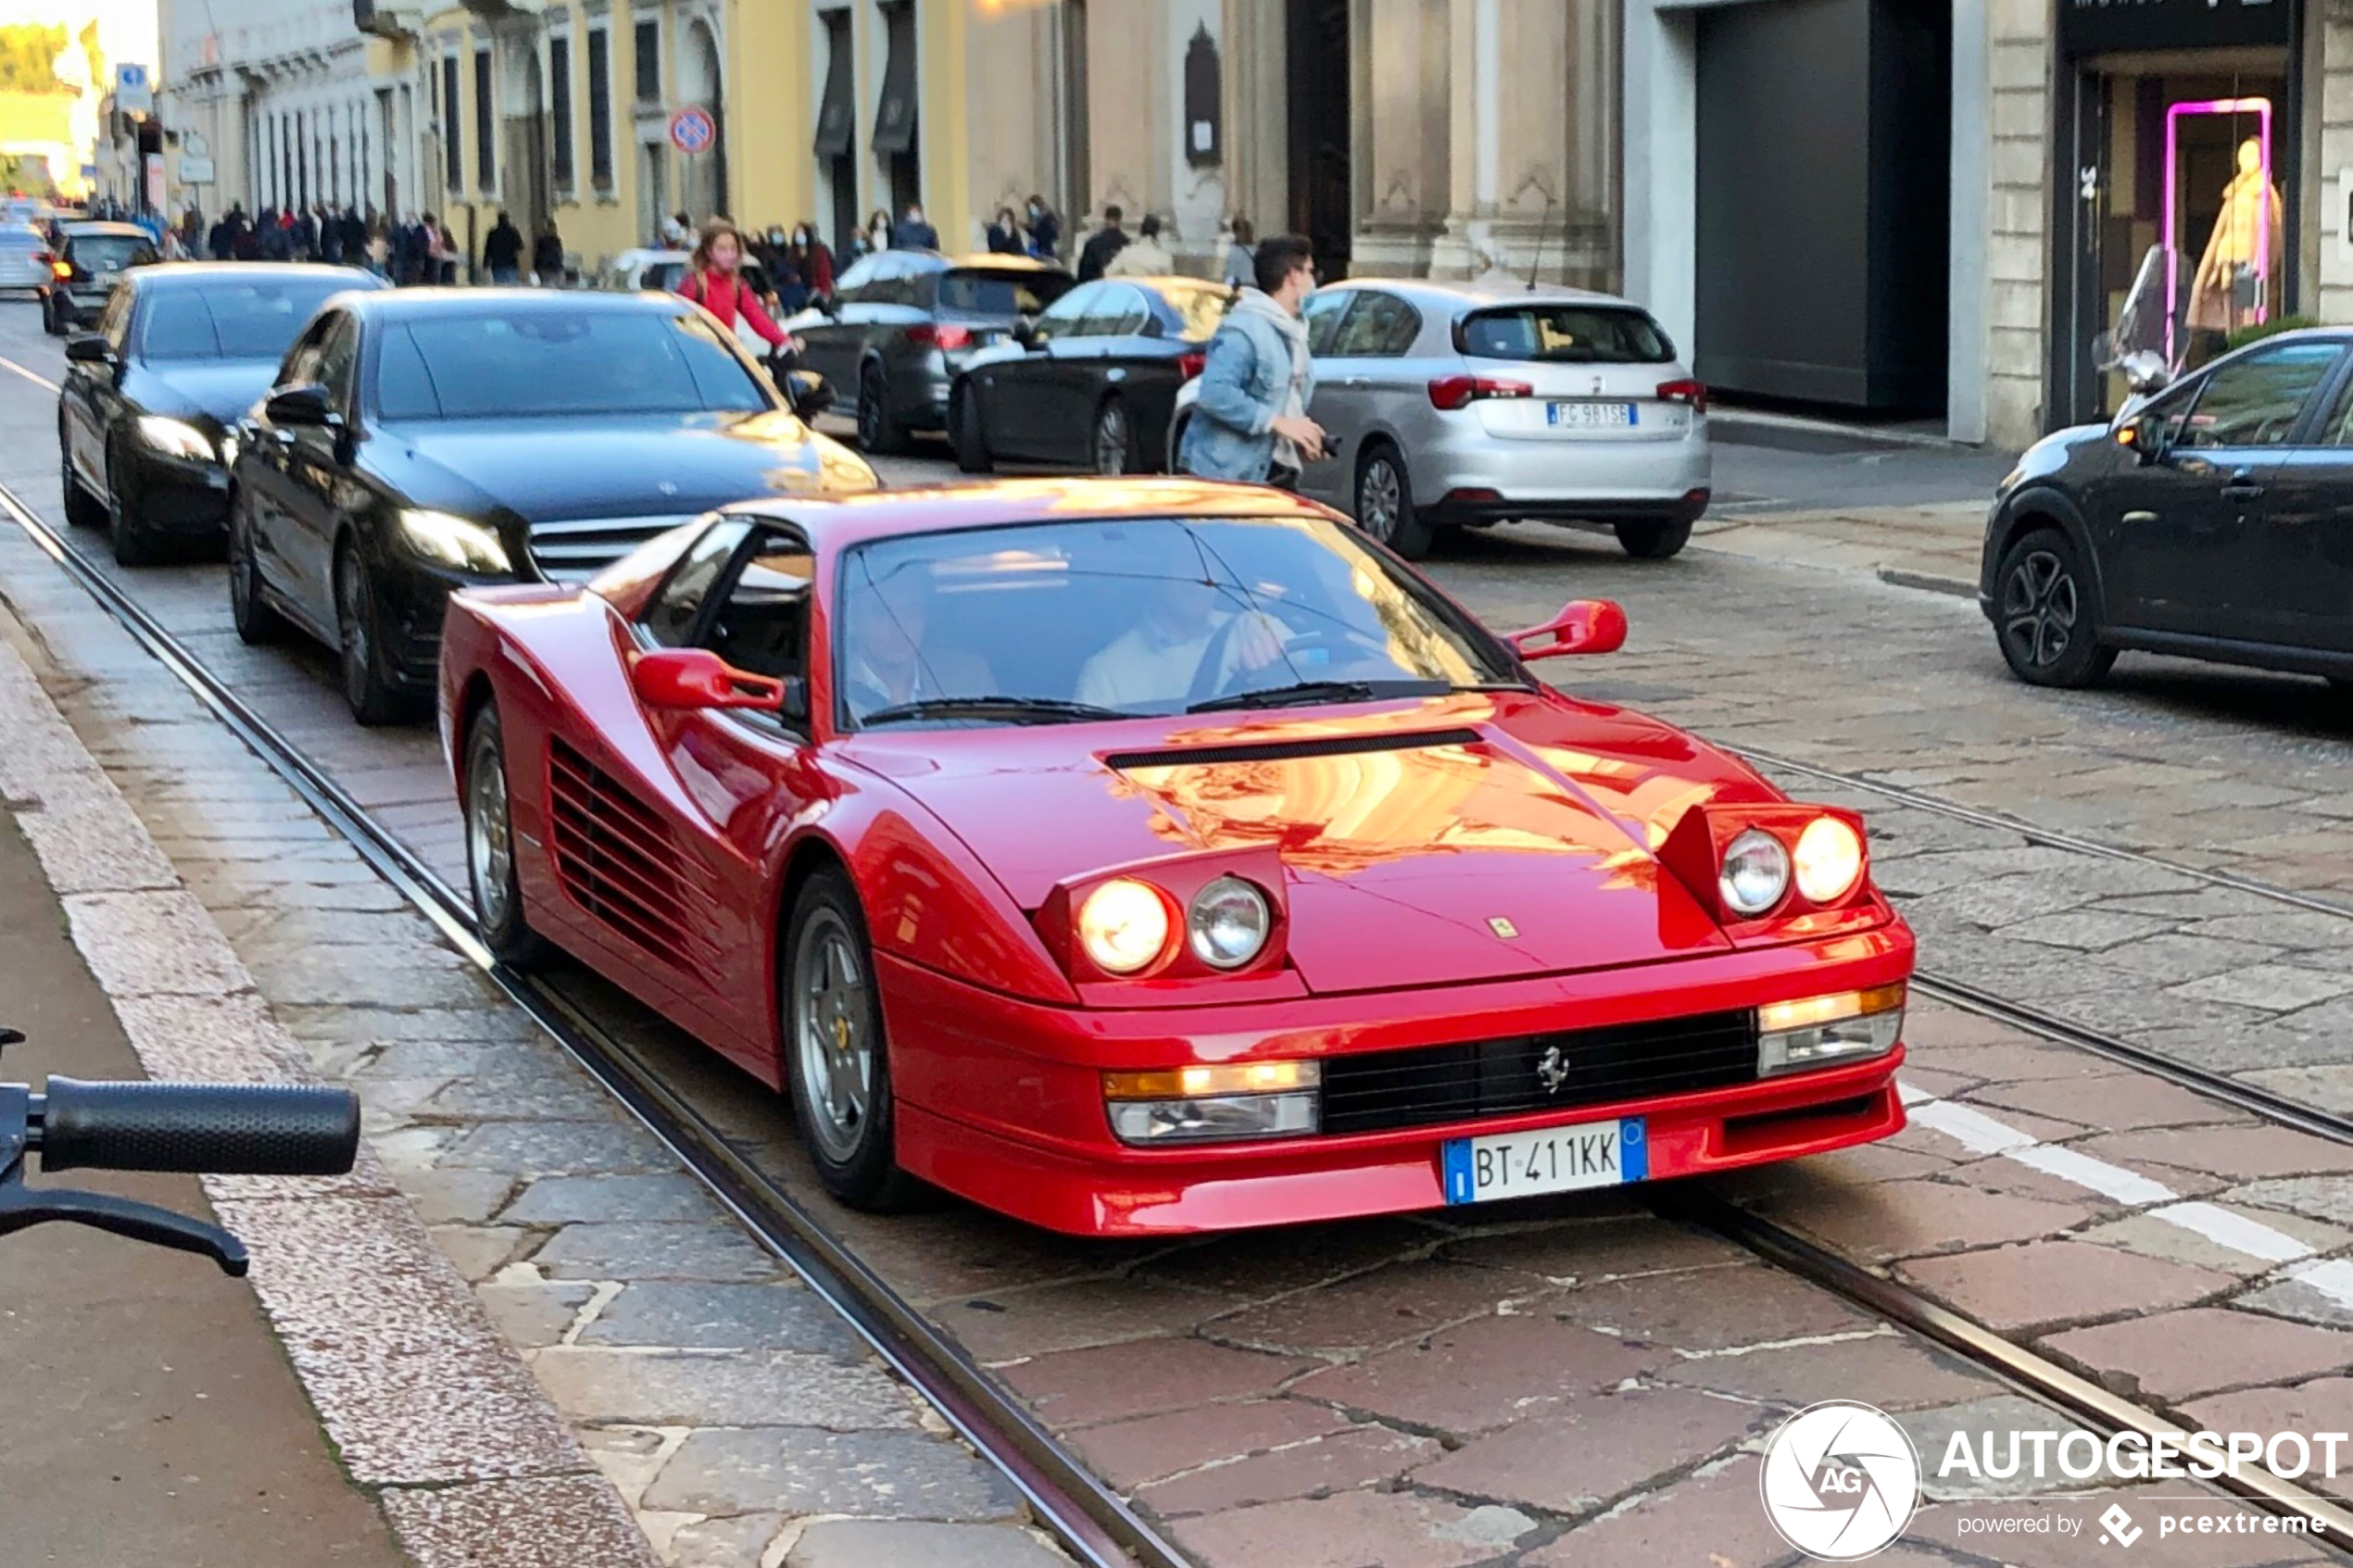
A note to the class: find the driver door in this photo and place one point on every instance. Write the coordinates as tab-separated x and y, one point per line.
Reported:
2184	527
740	777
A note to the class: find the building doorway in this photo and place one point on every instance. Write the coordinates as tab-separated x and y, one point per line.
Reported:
1316	72
703	177
527	138
653	188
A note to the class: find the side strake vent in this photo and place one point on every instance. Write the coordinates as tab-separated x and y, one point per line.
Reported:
622	865
1290	750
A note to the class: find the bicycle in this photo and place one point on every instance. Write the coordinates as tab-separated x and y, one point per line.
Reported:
197	1129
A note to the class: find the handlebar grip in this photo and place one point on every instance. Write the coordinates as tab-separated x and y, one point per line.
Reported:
217	1129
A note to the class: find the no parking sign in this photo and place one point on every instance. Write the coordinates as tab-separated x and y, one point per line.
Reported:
692	130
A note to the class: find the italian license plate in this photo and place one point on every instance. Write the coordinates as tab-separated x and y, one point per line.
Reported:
1592	1154
1591	416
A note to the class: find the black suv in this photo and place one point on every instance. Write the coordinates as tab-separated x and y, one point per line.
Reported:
2212	517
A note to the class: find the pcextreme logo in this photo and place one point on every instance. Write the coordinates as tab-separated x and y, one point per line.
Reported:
1840	1481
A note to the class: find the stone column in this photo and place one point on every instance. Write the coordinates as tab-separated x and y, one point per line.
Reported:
2018	242
1257	132
1125	111
1405	173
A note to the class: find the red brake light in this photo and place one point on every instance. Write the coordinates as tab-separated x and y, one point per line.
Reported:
923	334
1692	393
1191	365
1461	392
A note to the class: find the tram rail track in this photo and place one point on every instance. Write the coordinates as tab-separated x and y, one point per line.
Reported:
1087	1516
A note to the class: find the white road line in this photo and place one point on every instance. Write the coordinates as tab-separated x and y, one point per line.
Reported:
34	377
1980	1134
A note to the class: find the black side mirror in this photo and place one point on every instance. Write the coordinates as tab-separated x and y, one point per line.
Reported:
305	404
809	393
90	348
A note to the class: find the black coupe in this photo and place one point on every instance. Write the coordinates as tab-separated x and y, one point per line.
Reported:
423	440
179	355
1092	381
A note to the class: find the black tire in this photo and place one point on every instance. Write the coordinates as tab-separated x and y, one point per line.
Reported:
1113	448
1659	538
879	432
856	1157
367	686
82	509
2042	614
258	623
135	544
490	860
1385	502
963	427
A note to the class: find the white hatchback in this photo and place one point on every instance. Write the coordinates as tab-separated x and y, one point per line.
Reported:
1472	404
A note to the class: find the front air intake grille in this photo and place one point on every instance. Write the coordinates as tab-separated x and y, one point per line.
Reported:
1289	750
1436	1084
622	865
574	551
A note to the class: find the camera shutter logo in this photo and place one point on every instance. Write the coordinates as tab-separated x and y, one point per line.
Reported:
1840	1481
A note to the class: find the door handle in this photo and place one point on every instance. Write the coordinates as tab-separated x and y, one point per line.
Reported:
2242	486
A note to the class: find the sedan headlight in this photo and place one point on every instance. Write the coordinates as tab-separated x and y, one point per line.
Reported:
1755	874
176	438
1829	860
1229	922
1251	1100
1827	1031
453	541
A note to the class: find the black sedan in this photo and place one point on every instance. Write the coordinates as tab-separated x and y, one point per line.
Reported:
2213	518
1092	381
181	355
85	263
421	440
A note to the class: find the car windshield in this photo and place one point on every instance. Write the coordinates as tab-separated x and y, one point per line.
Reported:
244	319
980	292
1198	310
1097	619
522	363
1575	334
111	252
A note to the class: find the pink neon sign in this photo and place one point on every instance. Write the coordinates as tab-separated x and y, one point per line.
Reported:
2174	114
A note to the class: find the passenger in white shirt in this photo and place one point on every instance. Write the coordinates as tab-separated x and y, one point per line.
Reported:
1156	662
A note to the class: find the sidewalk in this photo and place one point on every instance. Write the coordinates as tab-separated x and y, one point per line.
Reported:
1933	548
157	1418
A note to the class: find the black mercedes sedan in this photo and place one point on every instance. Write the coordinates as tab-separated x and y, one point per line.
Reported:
423	440
181	354
1092	381
2213	518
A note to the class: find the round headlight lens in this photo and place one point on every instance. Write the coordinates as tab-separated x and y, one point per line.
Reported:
1829	860
1124	926
1756	873
1228	923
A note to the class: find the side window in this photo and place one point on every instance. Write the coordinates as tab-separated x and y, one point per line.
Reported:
338	360
2337	429
1067	316
1323	314
302	360
1119	311
762	624
1382	326
2254	401
669	620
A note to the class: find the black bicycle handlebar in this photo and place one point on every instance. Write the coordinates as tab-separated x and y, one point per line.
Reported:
217	1129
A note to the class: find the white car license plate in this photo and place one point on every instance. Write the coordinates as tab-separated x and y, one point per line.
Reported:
1592	1154
1592	415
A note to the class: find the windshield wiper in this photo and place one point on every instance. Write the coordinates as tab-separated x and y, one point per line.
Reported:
1306	693
1020	709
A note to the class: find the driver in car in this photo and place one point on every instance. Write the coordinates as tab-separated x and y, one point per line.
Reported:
895	659
1160	661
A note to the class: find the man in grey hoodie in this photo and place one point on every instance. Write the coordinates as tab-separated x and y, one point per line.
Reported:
1251	423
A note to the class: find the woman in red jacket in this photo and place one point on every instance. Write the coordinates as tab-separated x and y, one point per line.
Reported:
714	280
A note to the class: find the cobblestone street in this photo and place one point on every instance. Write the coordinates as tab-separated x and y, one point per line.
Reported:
1578	1380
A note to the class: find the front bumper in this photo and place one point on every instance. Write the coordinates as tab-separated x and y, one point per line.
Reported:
412	597
181	496
1001	1099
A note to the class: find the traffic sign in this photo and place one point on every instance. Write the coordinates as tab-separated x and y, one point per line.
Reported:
132	92
692	130
194	170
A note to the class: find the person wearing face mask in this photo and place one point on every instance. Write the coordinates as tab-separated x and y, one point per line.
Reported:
1251	423
811	260
1045	230
1005	237
911	232
876	235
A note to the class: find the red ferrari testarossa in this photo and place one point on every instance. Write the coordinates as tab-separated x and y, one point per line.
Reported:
1155	856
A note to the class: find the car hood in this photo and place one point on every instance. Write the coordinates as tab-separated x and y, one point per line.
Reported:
220	390
544	469
1481	839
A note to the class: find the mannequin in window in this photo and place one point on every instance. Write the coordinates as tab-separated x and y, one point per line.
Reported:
2238	279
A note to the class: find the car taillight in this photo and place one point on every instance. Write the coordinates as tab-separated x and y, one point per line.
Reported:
1191	365
1461	392
61	268
925	335
1693	394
